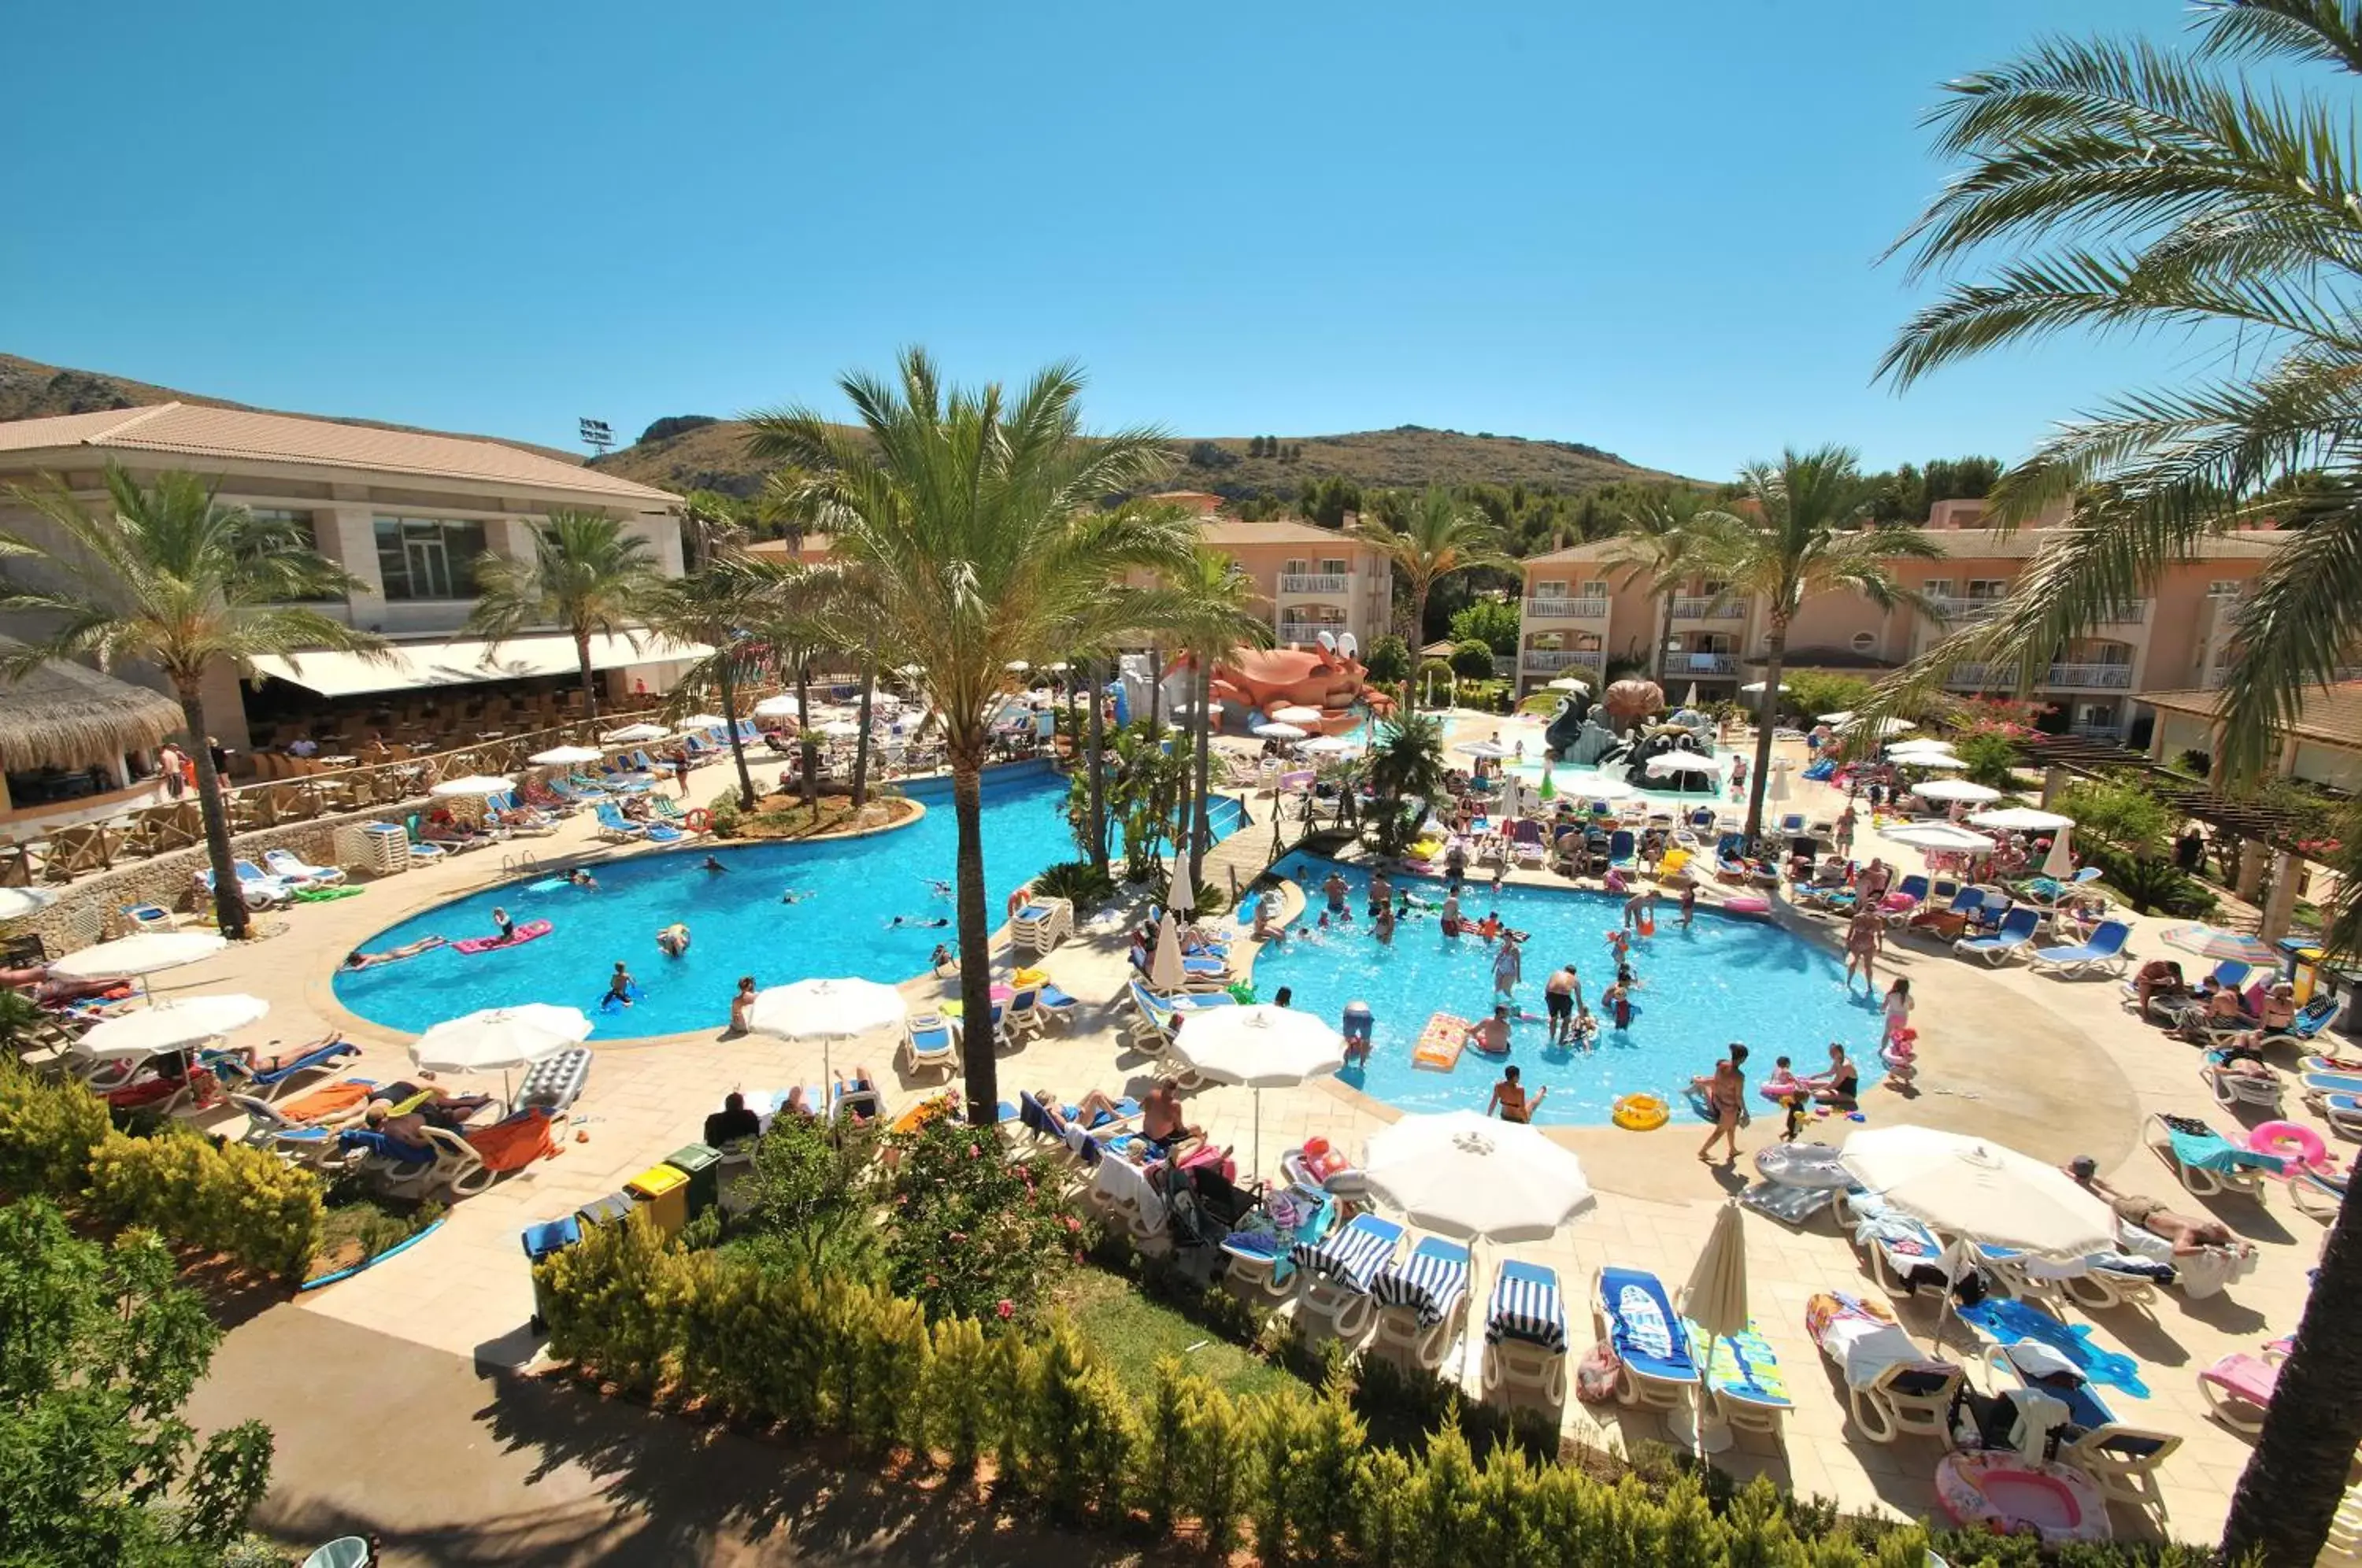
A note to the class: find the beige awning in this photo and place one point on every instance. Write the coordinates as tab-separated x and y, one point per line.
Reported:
467	660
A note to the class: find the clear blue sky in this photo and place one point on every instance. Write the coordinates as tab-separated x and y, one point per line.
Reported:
1654	229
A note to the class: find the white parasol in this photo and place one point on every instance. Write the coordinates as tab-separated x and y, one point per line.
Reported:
564	756
135	957
474	784
1883	726
1596	788
826	1011
1331	746
783	706
840	729
1261	1047
1568	683
1933	761
2020	819
1842	716
1940	836
1666	762
1281	732
171	1024
1715	1303
1492	750
15	902
2060	864
1973	1188
1164	972
1755	688
498	1039
1955	790
1296	713
632	734
705	721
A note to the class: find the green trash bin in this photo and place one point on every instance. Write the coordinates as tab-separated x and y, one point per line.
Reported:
611	1210
702	1164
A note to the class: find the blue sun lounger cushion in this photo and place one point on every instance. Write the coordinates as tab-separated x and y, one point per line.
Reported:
1431	1281
1643	1330
1353	1255
1527	1305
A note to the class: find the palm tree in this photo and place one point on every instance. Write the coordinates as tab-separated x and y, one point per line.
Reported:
2125	186
1405	768
710	524
814	606
717	605
1212	608
1438	536
1657	547
976	514
589	575
169	577
1796	531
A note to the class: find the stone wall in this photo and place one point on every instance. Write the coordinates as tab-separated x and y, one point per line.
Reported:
89	910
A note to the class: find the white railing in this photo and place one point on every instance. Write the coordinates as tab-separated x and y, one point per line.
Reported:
1709	608
1981	678
1701	664
2100	677
2131	615
1568	607
1309	630
1314	582
1549	661
2098	732
1955	611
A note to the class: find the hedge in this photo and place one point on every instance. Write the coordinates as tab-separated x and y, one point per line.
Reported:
247	1204
1295	1473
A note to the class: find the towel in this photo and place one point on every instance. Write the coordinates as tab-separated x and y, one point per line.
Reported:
2007	1322
2211	1151
328	1099
516	1143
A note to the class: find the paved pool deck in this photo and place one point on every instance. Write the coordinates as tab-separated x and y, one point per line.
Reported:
2053	1067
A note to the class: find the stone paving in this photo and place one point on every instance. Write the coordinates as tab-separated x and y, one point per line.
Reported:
2053	1067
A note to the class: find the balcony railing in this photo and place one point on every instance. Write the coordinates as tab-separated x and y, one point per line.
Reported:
1564	607
1955	611
1709	608
2091	677
1701	664
1314	581
2097	731
1550	661
1309	630
2131	615
1981	678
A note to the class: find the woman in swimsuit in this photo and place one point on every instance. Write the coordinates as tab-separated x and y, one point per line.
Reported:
1862	940
505	927
1509	1099
742	1007
1725	1095
357	959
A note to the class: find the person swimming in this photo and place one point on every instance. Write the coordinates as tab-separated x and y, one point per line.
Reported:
928	921
621	986
357	959
710	864
582	878
673	940
937	886
795	895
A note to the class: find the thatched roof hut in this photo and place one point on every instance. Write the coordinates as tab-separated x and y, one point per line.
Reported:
64	715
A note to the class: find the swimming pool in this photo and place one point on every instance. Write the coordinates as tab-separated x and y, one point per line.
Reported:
1722	979
848	892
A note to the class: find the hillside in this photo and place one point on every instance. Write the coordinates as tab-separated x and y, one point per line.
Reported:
713	457
30	389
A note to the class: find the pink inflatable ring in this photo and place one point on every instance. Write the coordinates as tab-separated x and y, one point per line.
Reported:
2300	1146
1747	904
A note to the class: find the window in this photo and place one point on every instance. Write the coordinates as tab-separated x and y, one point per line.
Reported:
1864	641
1555	588
1936	588
1294	566
2222	587
1988	588
1334	566
1597	588
428	557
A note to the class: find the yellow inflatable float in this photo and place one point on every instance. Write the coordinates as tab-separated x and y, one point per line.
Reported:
1642	1112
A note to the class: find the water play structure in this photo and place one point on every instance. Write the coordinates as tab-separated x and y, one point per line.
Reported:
1251	686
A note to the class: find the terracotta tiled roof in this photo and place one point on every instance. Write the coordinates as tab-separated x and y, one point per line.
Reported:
230	435
2332	714
1231	531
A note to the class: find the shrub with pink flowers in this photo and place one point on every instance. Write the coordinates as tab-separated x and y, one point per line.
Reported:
970	1233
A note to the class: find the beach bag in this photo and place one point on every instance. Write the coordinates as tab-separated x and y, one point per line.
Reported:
1596	1376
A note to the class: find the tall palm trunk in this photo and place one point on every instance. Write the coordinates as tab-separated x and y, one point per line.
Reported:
1664	636
805	745
229	898
1155	684
2289	1492
1417	615
727	680
589	683
1775	654
1098	772
861	742
1202	818
983	1072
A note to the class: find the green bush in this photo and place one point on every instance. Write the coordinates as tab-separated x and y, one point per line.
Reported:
2152	885
1077	880
47	1133
1388	661
725	814
969	1232
1473	660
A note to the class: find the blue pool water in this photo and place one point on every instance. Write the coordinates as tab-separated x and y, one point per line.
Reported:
851	890
1722	979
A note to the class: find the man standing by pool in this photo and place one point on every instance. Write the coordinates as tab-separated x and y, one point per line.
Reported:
1333	886
1562	994
1381	893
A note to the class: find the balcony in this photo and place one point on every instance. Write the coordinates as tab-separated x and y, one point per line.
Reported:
1550	661
1309	630
1568	608
1981	678
2113	732
2132	614
1701	664
1956	610
1709	608
1315	583
2089	677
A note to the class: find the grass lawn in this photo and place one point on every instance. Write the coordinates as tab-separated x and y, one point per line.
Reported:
1542	704
1133	1332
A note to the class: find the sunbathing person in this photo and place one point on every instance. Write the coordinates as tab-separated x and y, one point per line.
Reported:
2189	1233
1091	1111
357	959
406	1133
56	993
732	1122
2159	977
1161	1120
858	1097
256	1062
436	1106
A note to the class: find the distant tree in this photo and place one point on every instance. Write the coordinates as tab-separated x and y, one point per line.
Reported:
588	574
1254	446
1442	537
1295	453
1213	455
1473	660
1492	621
1326	501
1961	479
674	425
1389	659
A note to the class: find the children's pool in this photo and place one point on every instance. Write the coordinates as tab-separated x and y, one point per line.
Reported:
847	895
1724	979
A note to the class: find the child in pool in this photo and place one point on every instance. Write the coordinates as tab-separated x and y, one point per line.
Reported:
620	987
1619	1002
1784	1081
